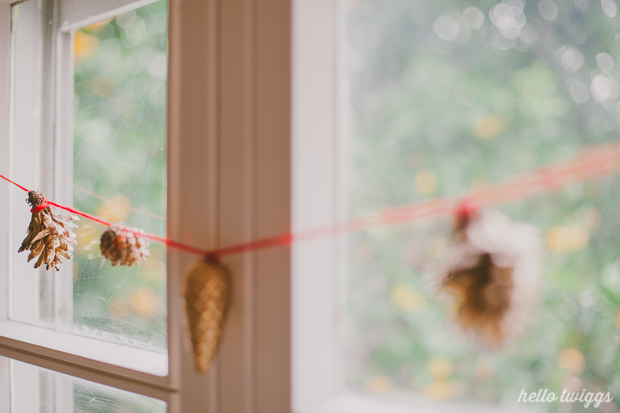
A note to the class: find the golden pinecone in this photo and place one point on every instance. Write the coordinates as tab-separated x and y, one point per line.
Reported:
48	233
207	297
124	245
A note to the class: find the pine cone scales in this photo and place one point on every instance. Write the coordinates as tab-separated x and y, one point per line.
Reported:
48	235
484	295
124	245
207	296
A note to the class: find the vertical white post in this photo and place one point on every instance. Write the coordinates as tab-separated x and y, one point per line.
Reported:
5	151
317	372
5	384
26	151
25	388
63	166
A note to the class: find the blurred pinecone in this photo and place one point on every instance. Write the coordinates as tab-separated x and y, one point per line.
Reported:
207	297
124	245
494	275
48	236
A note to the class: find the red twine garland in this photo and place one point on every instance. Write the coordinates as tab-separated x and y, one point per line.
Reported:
40	208
596	161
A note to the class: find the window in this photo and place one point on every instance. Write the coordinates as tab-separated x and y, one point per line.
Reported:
227	181
118	166
59	392
425	99
255	108
445	97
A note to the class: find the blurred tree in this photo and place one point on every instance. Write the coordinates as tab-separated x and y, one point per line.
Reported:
449	95
120	170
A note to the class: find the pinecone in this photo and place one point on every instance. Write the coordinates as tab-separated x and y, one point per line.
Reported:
48	233
124	245
493	276
207	297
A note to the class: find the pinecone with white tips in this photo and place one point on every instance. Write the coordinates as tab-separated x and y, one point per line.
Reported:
48	235
124	245
494	275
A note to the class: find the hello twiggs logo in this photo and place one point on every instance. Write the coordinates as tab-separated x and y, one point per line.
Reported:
545	396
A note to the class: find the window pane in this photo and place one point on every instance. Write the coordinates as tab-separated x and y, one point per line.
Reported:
120	169
108	95
448	96
35	389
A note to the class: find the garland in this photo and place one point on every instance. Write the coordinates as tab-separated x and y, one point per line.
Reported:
487	273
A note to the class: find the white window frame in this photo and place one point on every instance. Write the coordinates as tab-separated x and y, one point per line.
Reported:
318	372
229	163
253	107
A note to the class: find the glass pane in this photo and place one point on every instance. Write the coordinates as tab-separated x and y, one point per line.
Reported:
35	389
448	96
111	81
119	167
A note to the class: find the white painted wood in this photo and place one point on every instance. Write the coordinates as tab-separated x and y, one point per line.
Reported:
120	360
63	393
63	166
74	14
5	200
26	388
26	152
94	376
5	383
5	150
46	143
317	369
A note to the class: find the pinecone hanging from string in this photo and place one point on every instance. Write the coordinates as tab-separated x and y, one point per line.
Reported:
493	276
207	298
48	233
124	245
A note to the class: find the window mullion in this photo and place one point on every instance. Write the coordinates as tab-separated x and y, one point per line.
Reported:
26	152
317	367
63	165
5	383
26	388
63	394
5	219
46	139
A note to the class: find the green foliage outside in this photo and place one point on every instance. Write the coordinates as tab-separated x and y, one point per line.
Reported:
120	155
103	399
439	106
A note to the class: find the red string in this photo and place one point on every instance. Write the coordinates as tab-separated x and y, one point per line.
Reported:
40	207
596	161
14	183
